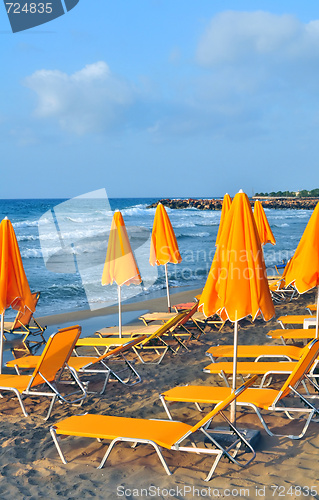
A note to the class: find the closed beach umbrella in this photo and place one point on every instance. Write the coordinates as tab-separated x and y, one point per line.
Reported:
303	269
120	265
237	284
264	231
164	247
14	287
225	209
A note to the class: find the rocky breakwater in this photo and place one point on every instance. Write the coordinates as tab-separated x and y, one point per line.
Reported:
216	204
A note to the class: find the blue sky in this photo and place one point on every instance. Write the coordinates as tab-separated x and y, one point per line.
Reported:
155	98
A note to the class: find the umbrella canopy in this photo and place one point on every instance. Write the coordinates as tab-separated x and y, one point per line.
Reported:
120	265
14	286
303	269
237	284
164	247
264	231
225	209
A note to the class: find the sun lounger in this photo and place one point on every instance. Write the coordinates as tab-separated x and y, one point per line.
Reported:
185	328
88	365
198	318
160	338
281	294
127	330
265	369
312	308
182	306
264	399
186	305
25	324
158	341
257	352
157	433
47	373
294	319
293	334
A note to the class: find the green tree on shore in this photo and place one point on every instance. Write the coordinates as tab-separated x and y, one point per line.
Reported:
303	193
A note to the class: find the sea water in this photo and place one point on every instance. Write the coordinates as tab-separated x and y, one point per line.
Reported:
63	247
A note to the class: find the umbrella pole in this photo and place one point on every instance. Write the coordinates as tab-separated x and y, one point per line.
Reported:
120	310
317	313
167	289
1	342
233	405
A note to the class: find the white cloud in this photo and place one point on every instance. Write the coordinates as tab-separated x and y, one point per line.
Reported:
90	100
254	73
235	37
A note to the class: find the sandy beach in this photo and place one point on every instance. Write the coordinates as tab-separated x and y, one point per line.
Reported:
31	467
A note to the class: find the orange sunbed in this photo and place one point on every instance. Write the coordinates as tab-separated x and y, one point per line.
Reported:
259	398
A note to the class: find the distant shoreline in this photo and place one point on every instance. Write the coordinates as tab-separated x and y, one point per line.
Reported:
216	204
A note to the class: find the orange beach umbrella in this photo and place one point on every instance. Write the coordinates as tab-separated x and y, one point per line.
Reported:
120	265
14	287
264	231
225	209
164	247
237	284
303	270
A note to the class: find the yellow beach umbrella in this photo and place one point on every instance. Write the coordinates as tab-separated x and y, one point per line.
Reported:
164	247
120	265
264	230
237	284
225	209
14	287
303	270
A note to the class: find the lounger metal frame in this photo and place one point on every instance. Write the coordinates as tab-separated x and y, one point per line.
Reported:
308	408
230	452
53	384
25	328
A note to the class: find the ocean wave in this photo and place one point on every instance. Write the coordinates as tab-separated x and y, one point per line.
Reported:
208	223
284	224
184	224
76	235
65	287
26	237
27	223
31	253
138	210
202	234
90	219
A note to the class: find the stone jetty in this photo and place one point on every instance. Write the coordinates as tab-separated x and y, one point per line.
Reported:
216	204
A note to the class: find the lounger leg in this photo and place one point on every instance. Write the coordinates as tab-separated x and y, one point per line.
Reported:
56	442
166	407
157	449
198	407
151	362
270	433
17	393
212	470
104	459
160	455
222	374
54	397
21	404
107	376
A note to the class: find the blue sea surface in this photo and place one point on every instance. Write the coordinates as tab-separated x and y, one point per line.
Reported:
63	247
